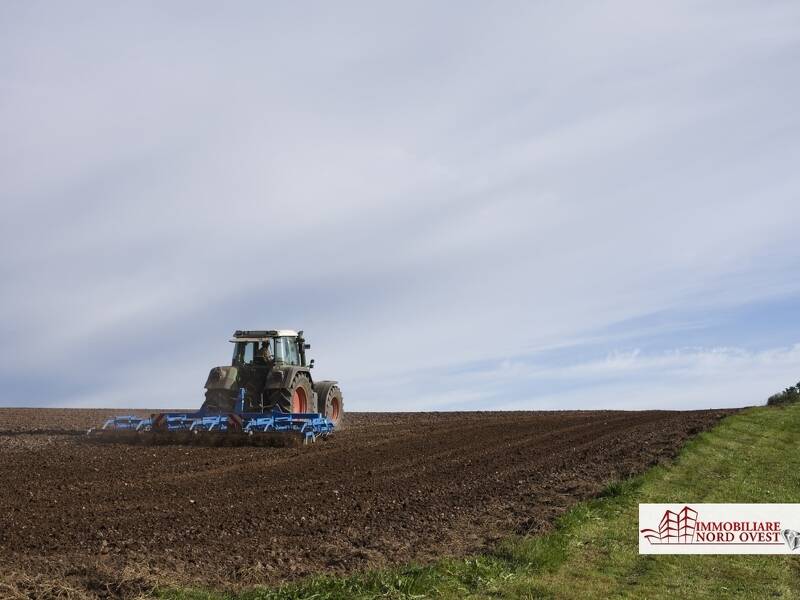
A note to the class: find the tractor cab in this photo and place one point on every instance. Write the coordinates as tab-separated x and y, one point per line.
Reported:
268	348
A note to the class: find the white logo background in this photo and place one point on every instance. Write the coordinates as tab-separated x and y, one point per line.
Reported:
719	528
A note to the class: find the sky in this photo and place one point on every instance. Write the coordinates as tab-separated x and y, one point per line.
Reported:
471	206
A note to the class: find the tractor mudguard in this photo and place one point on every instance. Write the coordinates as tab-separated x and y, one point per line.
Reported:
281	376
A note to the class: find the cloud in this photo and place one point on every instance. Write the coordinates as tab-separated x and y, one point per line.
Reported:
421	191
686	378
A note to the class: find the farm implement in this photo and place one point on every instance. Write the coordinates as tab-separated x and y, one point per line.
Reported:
266	397
216	429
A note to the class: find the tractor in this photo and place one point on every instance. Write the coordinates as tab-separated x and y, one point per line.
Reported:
272	369
265	397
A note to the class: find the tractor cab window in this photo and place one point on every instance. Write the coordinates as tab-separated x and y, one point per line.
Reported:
243	353
292	355
286	351
252	353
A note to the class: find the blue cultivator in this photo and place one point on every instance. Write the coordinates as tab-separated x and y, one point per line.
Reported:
217	429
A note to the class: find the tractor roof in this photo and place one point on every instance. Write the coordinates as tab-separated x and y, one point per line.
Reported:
257	336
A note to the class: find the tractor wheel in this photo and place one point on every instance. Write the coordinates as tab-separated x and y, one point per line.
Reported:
298	397
331	403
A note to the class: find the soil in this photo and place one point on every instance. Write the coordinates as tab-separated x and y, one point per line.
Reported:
389	488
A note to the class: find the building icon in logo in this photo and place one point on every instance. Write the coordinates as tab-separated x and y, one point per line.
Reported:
674	528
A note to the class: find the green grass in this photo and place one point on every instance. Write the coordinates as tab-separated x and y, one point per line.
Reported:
753	456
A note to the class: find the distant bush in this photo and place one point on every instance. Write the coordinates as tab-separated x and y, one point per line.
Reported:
787	396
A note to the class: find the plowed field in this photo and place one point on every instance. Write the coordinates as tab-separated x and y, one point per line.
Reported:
389	488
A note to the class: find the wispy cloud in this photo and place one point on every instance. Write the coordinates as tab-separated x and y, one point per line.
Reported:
686	378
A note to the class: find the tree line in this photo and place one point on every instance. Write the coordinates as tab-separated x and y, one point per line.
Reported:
790	394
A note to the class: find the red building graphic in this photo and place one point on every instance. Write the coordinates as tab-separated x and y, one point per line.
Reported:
675	528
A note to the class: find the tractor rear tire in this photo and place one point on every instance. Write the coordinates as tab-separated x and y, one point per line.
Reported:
330	402
298	397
